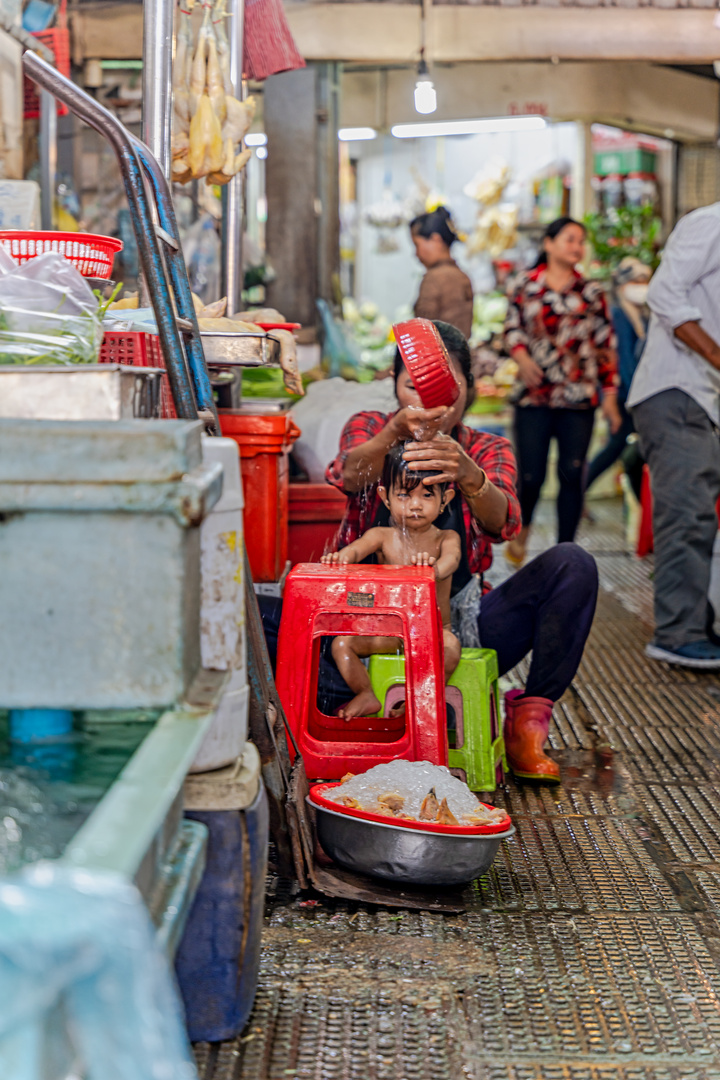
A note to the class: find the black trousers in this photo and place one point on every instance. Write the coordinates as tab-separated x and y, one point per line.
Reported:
547	606
535	426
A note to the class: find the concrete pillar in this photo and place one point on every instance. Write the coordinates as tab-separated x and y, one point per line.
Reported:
581	194
302	236
328	193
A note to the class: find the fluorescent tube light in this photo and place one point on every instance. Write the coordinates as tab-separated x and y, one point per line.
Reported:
469	127
257	138
358	134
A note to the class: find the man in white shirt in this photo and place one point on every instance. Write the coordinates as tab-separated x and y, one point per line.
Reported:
675	403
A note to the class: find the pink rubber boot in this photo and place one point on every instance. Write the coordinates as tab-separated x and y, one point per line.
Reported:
527	721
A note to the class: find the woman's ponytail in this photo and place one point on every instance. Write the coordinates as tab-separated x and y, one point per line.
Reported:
437	221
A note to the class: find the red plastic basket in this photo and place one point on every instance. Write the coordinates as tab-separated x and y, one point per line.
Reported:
91	255
57	39
138	349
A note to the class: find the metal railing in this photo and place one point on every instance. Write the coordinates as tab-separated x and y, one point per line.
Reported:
158	244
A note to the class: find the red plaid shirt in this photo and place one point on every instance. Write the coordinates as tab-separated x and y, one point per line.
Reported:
491	452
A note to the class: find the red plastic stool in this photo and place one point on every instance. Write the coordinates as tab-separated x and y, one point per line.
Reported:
645	532
398	601
646	543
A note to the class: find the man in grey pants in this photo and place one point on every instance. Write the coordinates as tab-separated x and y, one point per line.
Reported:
675	403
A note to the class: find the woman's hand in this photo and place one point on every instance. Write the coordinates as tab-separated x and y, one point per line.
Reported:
412	422
530	372
611	412
444	455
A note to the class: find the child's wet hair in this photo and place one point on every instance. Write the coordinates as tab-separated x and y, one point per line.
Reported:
396	473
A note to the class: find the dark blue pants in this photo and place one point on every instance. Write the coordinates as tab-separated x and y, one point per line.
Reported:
612	449
547	606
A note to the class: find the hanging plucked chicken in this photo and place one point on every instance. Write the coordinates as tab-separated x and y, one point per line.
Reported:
209	123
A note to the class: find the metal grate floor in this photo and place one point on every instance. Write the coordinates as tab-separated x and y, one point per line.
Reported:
590	951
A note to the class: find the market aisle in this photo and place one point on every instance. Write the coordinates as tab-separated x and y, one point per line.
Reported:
592	949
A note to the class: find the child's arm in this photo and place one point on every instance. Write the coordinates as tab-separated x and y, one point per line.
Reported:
450	555
448	559
367	544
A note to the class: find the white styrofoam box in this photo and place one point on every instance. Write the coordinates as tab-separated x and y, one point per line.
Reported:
226	452
323	412
222	615
226	737
19	204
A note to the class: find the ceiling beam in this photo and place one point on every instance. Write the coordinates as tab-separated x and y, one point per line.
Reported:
389	33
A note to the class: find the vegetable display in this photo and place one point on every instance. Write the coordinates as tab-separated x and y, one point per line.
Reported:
48	313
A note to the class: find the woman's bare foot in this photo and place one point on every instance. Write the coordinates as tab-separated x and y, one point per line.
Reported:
363	704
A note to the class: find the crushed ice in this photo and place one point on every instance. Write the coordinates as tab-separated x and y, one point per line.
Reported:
412	780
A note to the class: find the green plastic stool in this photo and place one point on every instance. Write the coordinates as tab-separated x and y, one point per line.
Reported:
473	693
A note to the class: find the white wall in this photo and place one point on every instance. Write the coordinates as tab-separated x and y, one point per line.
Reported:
446	165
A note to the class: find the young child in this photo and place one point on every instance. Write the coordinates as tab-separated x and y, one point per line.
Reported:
411	539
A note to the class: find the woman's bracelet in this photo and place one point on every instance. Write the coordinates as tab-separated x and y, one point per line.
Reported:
479	491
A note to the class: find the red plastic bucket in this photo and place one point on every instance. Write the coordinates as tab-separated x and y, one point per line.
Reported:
315	513
264	443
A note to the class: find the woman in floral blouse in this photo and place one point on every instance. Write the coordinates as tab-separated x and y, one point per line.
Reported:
558	330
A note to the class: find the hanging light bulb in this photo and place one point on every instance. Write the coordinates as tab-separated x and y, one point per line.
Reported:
425	95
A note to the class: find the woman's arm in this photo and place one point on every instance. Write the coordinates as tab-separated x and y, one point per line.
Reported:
450	555
605	342
517	341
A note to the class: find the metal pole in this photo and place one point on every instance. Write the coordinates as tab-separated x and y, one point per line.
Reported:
48	157
151	259
234	193
157	79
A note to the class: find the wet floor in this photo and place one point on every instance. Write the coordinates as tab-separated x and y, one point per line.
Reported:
591	951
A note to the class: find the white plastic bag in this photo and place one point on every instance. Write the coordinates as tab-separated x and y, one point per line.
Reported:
48	314
7	263
323	413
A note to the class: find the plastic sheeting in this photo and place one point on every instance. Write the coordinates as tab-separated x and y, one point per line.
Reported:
48	313
85	989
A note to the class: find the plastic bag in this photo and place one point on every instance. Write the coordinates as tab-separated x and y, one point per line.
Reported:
341	354
323	413
48	314
7	263
201	247
85	987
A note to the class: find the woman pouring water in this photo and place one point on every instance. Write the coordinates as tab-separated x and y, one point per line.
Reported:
546	607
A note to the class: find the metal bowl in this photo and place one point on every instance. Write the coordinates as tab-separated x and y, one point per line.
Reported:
399	854
243	349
